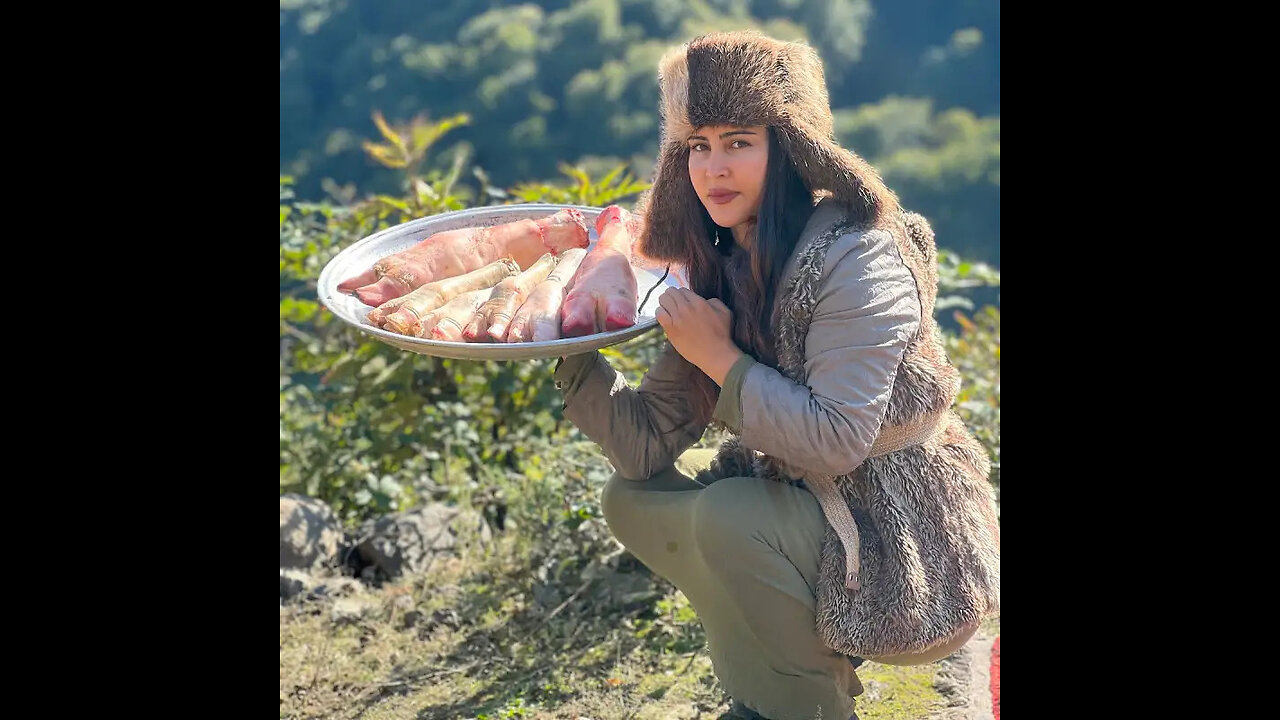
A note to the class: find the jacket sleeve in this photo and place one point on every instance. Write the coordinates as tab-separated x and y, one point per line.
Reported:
641	430
867	310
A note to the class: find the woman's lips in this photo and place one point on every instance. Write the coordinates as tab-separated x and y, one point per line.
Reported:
721	197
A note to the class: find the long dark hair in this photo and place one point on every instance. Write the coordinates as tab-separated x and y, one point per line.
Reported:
785	207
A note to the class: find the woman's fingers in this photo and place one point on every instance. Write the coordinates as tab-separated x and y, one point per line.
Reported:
677	301
662	316
666	301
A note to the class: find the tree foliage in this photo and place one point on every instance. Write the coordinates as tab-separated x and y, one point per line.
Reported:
914	83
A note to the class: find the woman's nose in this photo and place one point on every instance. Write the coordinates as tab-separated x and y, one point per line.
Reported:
718	166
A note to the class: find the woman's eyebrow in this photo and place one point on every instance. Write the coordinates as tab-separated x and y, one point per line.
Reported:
723	135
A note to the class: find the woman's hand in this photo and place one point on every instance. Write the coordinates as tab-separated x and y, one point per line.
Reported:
700	330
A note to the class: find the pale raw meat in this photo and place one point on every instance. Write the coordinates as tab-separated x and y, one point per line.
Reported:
455	252
404	314
603	295
538	319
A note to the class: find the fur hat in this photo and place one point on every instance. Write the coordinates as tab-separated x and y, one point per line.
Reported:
746	78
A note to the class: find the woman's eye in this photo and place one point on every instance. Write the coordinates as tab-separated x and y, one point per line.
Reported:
735	145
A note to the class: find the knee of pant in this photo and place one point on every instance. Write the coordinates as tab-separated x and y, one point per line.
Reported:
613	504
723	520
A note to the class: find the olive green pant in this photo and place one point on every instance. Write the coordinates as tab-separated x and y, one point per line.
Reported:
745	552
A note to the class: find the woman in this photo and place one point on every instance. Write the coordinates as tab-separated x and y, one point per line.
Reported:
850	516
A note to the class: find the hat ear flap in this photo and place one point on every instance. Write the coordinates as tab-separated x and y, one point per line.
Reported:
824	165
671	210
920	235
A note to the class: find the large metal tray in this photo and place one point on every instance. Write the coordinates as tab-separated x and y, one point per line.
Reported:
364	253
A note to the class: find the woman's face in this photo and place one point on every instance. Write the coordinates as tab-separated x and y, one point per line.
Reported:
727	166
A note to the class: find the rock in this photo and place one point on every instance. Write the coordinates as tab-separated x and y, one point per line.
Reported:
964	680
347	610
310	534
403	543
337	587
294	582
410	619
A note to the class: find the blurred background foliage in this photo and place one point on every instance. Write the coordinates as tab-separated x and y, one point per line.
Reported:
914	84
